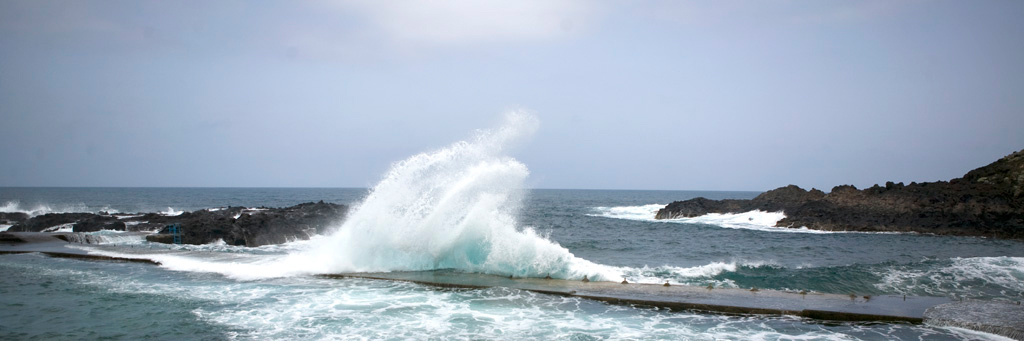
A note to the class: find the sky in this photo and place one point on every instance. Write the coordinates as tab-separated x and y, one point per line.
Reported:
669	95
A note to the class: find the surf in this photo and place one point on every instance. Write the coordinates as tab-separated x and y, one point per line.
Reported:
453	208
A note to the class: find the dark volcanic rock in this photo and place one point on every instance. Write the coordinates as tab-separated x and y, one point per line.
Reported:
988	201
42	222
99	222
297	222
11	218
251	227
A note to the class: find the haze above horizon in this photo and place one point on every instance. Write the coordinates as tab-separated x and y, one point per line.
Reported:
661	95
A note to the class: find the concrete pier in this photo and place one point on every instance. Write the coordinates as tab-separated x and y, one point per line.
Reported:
682	297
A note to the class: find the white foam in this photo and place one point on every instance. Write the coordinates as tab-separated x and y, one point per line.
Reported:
3	227
249	211
15	207
107	237
10	207
695	275
965	277
968	334
69	227
452	208
753	220
171	212
642	212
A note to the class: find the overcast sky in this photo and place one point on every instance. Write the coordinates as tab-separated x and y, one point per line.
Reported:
708	95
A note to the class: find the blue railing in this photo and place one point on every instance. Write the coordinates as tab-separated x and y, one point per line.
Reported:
175	230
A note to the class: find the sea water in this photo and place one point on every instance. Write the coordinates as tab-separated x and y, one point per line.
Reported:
464	208
52	298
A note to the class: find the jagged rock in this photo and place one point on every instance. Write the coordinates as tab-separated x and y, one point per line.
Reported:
988	201
251	227
98	222
42	222
297	222
11	218
234	225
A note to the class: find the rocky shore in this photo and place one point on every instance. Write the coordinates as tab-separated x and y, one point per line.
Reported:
988	201
233	225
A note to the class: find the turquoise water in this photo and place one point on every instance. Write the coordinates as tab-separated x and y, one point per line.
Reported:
48	298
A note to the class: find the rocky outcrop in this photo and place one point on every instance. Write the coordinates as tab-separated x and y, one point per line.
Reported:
11	218
99	222
254	227
49	220
988	201
233	225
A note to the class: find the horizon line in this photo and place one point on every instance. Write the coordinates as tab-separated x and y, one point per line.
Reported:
367	188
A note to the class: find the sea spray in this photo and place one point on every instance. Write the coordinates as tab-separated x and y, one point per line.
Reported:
41	209
454	208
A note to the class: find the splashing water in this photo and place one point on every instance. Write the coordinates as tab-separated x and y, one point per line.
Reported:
454	208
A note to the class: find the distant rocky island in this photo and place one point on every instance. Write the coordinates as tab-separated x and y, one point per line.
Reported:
233	225
987	202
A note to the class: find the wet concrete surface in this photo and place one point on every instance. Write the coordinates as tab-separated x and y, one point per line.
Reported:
680	297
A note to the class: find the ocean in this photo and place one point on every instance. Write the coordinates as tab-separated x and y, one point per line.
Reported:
464	208
51	298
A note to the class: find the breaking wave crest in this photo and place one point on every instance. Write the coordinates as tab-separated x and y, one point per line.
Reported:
40	209
454	208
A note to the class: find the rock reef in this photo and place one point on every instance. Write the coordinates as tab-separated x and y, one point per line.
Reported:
988	201
233	225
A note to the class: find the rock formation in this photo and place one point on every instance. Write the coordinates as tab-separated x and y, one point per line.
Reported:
988	201
49	220
233	225
11	218
254	227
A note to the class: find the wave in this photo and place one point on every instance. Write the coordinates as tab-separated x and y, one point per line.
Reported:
1000	278
971	277
171	212
696	275
756	220
454	208
753	220
40	209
